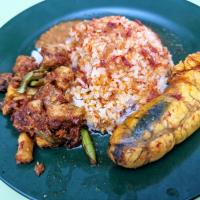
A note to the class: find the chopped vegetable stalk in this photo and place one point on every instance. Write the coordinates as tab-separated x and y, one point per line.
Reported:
88	146
37	83
27	78
30	76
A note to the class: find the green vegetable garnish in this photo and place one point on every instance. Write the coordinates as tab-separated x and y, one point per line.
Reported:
35	75
88	146
27	78
37	83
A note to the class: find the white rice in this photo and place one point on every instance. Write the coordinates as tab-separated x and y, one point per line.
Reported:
38	58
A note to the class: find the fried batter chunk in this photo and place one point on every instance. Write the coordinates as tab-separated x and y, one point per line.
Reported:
31	118
49	94
50	114
12	100
5	79
54	56
63	77
62	115
24	64
45	112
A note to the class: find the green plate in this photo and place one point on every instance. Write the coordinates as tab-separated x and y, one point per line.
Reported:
68	174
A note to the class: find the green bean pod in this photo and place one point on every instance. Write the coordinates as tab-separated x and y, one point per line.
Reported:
88	146
26	80
35	75
36	83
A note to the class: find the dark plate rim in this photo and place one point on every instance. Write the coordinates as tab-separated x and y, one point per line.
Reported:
12	21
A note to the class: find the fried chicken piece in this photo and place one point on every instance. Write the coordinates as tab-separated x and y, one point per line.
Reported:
24	64
13	100
60	124
31	118
73	138
5	79
46	115
66	120
54	56
65	113
25	149
63	77
49	94
45	112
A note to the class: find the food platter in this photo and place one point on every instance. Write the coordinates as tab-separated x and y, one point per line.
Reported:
68	174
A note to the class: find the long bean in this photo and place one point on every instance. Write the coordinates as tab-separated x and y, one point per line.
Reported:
27	78
88	146
30	76
37	83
